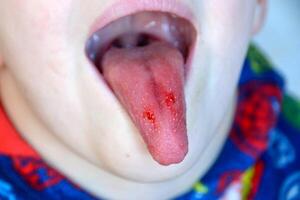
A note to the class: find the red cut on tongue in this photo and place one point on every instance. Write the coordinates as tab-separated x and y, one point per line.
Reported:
149	82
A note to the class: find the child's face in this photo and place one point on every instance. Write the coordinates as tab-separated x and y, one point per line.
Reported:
42	45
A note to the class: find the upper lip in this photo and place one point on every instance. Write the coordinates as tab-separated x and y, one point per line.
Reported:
123	8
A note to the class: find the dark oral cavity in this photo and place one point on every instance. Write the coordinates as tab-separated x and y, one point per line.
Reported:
145	70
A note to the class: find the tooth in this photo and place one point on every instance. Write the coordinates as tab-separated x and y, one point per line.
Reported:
165	26
150	24
89	44
126	24
96	38
174	16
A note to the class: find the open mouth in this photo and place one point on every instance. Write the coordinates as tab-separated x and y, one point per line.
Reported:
144	58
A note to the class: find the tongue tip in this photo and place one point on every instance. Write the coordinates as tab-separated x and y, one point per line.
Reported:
174	157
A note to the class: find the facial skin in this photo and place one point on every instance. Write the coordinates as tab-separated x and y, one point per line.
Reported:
56	99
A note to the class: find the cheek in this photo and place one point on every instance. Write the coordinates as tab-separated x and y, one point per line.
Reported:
227	24
32	25
227	30
228	33
32	34
34	48
224	34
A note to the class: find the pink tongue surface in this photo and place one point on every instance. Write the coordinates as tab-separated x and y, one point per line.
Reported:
149	82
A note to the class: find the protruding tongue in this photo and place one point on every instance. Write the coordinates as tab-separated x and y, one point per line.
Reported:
149	82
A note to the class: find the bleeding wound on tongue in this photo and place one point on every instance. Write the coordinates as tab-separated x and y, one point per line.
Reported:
147	77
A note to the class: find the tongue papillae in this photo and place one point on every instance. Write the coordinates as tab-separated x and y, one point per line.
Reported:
149	83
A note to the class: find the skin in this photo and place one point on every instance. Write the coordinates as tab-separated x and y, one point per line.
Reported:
55	99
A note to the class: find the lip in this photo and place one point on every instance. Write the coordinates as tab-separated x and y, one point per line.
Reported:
123	8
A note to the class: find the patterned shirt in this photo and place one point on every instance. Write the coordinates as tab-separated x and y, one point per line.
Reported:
259	160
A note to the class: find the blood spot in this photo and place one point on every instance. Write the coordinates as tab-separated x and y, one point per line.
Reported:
170	99
149	115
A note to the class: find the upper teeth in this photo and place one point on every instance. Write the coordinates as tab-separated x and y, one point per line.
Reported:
160	25
150	24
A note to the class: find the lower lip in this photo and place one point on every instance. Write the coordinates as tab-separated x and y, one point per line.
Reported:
123	8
